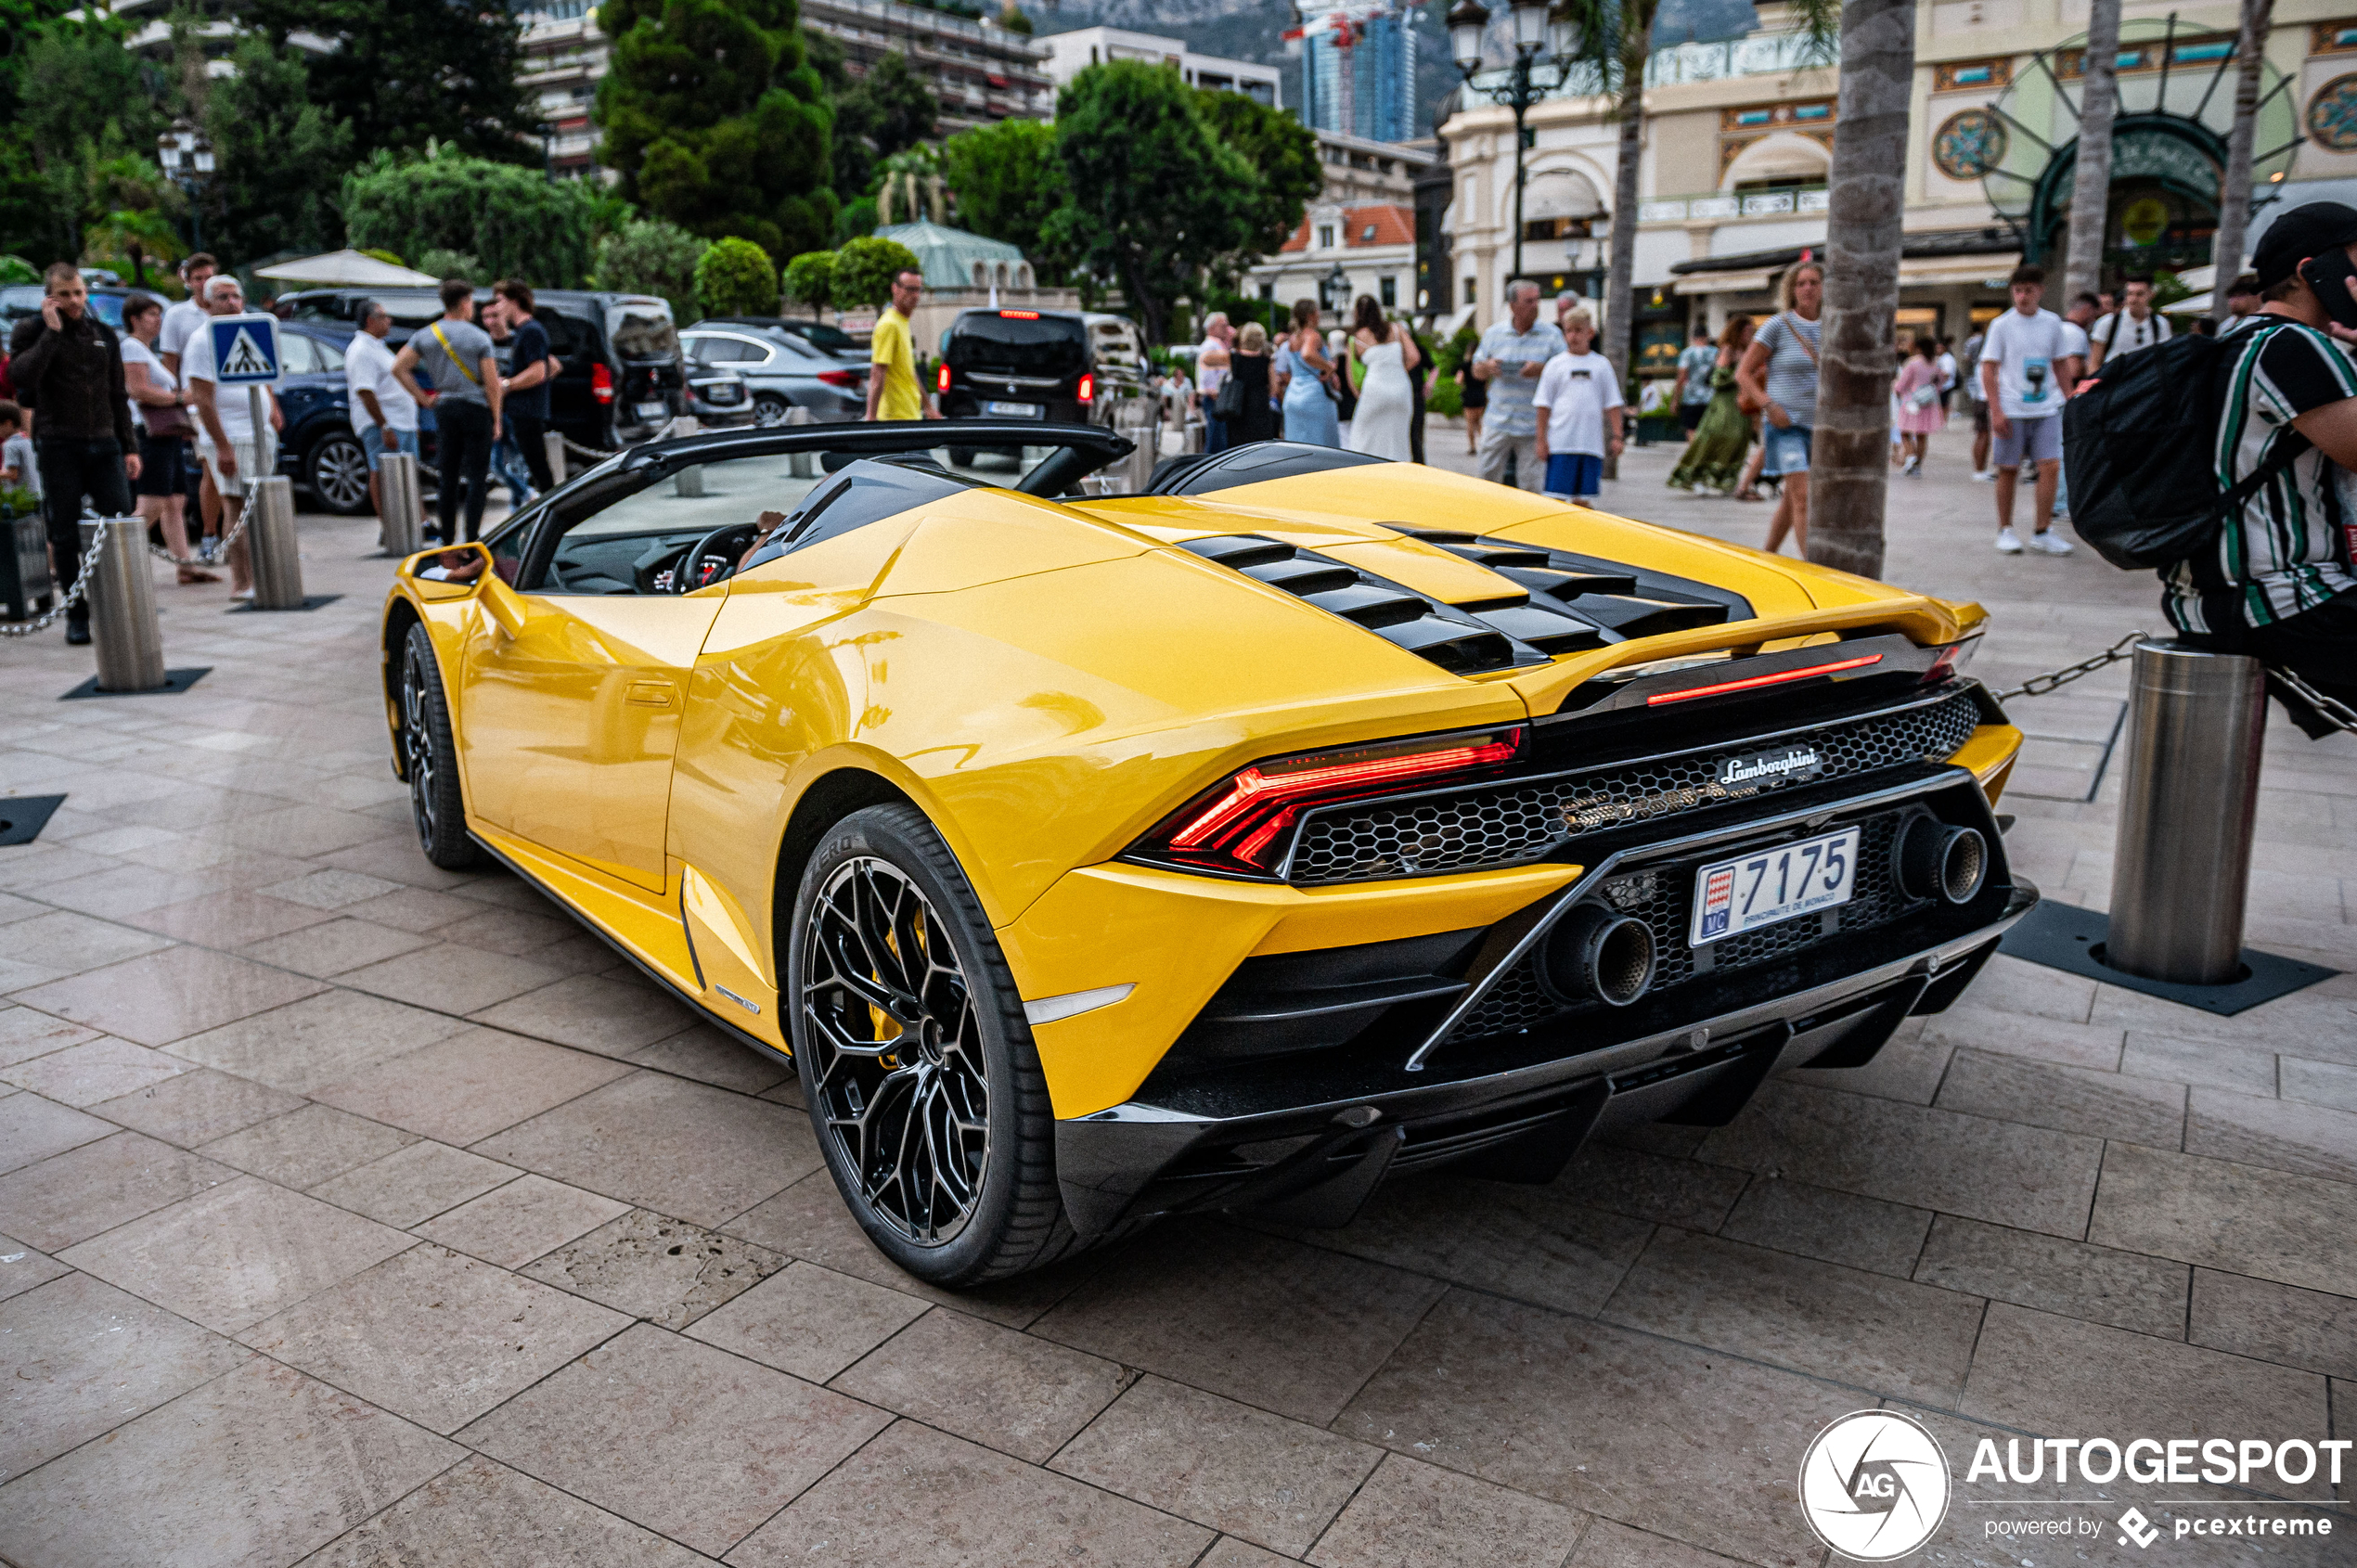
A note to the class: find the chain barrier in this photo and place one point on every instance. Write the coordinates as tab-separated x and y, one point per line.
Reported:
2038	686
580	451
72	596
2333	711
220	551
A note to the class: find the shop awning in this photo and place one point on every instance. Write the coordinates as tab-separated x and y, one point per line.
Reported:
2198	304
1724	282
348	269
1925	271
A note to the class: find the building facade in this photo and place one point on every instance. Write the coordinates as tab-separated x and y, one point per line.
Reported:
1358	237
1069	54
1359	69
1739	138
978	71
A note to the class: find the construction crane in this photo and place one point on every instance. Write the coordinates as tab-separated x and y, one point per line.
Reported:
1344	26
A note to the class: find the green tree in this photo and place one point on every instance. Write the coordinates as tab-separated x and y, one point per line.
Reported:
1011	17
408	74
864	270
279	157
650	256
1008	181
715	121
132	226
72	98
517	223
734	277
810	280
888	110
1156	198
1282	154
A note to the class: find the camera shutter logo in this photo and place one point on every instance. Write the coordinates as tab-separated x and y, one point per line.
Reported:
1874	1485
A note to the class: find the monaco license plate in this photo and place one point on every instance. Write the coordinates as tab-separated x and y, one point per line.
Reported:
1015	410
654	411
1735	896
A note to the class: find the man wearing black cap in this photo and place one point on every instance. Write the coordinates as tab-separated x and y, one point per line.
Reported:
2278	582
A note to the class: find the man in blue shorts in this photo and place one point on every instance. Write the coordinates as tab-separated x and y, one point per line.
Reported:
2025	366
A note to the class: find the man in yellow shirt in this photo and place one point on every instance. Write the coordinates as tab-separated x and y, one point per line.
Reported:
892	390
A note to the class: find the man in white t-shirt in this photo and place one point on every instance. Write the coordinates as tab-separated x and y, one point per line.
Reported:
182	318
225	428
2133	326
2025	373
1211	370
384	408
1578	397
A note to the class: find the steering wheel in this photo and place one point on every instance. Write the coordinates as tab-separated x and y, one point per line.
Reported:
713	558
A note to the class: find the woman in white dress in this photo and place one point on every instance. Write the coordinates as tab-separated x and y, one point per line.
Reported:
1387	352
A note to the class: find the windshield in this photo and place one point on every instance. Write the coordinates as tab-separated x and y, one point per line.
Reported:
1018	343
832	339
642	329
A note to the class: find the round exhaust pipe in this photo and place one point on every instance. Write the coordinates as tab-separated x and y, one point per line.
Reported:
1598	954
1938	860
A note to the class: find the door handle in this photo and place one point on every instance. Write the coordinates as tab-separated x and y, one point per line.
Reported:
650	694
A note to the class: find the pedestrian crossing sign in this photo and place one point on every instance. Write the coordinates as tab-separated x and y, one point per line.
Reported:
245	349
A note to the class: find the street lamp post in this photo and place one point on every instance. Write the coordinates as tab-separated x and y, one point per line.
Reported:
187	157
1335	287
1544	35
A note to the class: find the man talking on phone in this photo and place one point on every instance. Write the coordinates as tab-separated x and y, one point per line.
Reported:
2276	581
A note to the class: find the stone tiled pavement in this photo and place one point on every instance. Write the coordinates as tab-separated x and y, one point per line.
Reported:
355	1212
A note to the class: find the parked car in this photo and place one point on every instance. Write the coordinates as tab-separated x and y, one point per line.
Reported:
1069	368
317	448
622	375
825	337
783	371
718	397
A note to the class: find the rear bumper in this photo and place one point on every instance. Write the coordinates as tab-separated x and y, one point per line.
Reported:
1314	1159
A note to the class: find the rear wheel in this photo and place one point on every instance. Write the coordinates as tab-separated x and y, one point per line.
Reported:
431	759
922	1084
337	470
769	409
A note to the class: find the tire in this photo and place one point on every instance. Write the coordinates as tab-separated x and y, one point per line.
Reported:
437	806
770	410
336	469
962	457
881	881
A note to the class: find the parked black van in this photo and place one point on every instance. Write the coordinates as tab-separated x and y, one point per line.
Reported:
1069	368
623	373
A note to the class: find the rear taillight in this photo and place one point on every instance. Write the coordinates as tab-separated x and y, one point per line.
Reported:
601	383
1088	389
1952	660
839	378
941	381
1241	825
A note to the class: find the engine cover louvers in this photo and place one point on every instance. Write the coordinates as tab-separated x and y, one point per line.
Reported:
1569	603
1457	641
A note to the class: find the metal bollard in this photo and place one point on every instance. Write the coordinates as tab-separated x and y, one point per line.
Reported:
802	465
554	445
122	595
270	536
399	515
2181	871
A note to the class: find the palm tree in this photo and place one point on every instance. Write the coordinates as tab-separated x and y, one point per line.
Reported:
1619	39
2234	190
2091	184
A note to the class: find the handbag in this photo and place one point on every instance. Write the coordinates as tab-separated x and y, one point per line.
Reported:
167	422
1229	402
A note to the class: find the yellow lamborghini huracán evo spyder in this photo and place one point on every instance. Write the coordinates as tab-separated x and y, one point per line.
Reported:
1302	820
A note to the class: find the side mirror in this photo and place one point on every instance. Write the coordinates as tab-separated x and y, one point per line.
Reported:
448	572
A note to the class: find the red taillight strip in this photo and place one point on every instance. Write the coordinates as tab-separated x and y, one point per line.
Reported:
1251	786
1690	693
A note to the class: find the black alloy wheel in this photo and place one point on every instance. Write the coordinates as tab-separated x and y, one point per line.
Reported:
337	470
922	1084
430	759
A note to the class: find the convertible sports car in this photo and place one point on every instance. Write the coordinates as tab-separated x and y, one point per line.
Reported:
1299	821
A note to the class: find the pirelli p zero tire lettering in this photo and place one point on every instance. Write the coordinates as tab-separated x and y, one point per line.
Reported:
922	1084
431	759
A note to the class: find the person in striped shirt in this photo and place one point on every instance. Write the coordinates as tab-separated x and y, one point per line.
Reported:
2276	583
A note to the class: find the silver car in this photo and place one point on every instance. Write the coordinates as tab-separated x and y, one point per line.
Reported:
782	371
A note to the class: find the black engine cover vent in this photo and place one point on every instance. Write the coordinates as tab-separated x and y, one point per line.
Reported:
1462	642
1627	601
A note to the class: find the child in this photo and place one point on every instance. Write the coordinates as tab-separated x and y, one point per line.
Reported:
18	469
1578	397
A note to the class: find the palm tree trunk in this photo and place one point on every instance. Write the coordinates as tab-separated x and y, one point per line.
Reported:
1620	298
2234	189
2091	183
1849	470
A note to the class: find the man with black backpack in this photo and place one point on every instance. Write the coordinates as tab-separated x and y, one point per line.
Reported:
2266	442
